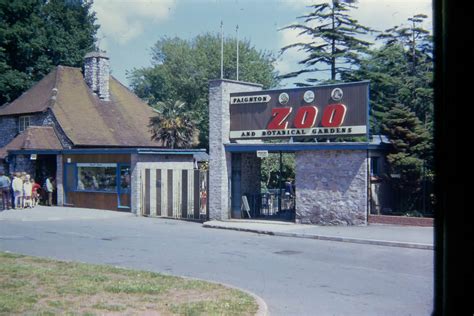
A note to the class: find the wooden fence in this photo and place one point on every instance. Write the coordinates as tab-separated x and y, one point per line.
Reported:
175	193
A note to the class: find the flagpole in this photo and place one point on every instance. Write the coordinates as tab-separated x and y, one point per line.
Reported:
222	50
237	36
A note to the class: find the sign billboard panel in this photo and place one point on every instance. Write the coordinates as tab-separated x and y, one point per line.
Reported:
318	111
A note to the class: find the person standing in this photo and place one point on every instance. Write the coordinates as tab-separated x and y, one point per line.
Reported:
49	190
288	193
5	184
34	192
27	189
17	187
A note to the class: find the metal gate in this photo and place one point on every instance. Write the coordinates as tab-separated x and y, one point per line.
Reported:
175	193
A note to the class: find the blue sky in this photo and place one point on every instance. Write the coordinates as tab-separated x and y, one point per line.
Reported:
129	28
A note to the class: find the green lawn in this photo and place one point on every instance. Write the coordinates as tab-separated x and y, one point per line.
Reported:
37	286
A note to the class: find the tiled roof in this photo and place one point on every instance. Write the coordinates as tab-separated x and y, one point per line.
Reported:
34	137
85	119
35	99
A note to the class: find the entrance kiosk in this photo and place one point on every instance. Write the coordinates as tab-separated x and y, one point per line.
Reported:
331	177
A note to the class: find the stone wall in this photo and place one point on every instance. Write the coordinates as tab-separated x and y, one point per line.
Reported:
219	126
22	163
8	129
331	187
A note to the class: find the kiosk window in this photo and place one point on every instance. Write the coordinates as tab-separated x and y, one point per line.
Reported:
97	177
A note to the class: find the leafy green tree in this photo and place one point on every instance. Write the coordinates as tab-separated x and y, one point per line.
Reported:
270	169
411	143
181	69
173	125
335	41
36	35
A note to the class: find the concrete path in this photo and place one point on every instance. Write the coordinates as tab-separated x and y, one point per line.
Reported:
58	213
375	234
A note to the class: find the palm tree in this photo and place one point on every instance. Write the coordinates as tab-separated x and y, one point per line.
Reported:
172	125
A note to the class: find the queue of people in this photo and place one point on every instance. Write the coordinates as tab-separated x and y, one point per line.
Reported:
22	191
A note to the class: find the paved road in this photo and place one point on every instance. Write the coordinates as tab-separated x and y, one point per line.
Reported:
294	276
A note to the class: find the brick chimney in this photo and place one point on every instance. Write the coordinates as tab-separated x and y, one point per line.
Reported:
96	73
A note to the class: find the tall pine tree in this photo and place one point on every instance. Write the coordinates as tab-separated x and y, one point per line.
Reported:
417	44
336	45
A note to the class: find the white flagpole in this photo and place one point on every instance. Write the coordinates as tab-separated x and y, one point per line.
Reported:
222	50
237	36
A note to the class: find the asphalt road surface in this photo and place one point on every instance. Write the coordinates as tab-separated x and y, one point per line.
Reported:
294	276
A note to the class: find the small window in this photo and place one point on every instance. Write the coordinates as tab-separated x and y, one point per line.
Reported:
23	123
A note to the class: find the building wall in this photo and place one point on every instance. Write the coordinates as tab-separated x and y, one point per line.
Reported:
141	162
22	163
331	187
8	129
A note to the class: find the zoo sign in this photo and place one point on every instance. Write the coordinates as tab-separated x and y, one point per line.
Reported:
319	111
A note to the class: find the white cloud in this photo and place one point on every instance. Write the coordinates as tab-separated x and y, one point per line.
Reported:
298	3
286	62
384	14
121	21
377	14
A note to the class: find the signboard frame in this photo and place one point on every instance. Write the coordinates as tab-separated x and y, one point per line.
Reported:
333	110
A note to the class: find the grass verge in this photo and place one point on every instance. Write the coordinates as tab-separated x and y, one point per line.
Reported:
37	286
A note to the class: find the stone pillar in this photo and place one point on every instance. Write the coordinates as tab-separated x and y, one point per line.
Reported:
59	180
219	161
331	187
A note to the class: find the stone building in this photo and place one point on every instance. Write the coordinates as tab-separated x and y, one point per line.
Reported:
88	131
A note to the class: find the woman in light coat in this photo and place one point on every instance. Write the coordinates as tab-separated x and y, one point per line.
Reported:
17	188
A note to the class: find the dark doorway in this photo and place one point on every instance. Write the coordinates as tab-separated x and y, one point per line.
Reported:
45	167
